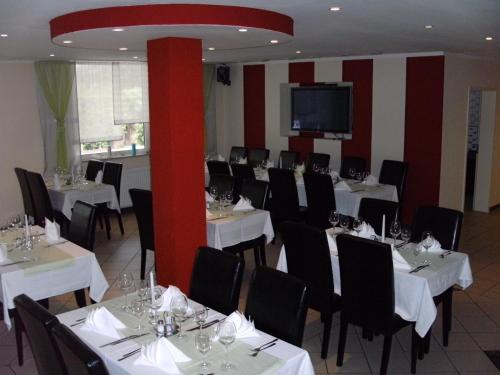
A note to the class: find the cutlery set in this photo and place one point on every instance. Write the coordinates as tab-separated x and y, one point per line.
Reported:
415	270
206	325
265	346
446	253
127	338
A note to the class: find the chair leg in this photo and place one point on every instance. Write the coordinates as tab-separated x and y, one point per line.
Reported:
342	341
326	334
427	341
120	222
367	334
263	254
447	315
143	263
108	225
420	348
414	346
386	353
18	327
80	298
256	256
100	221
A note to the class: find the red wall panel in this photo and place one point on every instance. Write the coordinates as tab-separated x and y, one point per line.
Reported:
254	105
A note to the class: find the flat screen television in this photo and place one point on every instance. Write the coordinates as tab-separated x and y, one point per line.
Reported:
325	109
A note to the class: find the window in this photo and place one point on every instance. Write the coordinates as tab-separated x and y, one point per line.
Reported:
112	108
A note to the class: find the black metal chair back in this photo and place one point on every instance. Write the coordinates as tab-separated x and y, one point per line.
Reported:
218	167
93	167
82	227
222	182
284	196
371	210
394	173
29	207
348	162
237	153
314	158
320	199
256	156
288	159
41	200
112	175
241	172
256	191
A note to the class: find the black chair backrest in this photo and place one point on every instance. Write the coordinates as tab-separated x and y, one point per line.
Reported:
371	210
38	323
257	155
41	199
76	355
394	173
285	199
222	182
321	160
241	172
237	153
277	302
93	166
348	162
445	224
218	167
82	227
308	258
216	279
256	191
367	286
142	201
29	208
320	199
288	159
112	175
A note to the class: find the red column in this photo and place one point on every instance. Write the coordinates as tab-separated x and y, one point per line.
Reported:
177	155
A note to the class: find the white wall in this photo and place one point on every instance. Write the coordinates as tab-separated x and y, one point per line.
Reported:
20	133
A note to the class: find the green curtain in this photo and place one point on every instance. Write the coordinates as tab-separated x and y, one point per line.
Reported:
208	77
56	80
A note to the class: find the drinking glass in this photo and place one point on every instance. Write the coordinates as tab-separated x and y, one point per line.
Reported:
15	221
226	332
155	300
395	230
406	234
417	249
142	289
344	223
357	225
138	308
214	193
316	168
27	248
352	173
229	197
200	315
359	176
334	218
427	242
179	307
203	343
125	283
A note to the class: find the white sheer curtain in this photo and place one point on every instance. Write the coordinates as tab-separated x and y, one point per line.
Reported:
130	93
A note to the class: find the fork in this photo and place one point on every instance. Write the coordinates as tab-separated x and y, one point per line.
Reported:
261	349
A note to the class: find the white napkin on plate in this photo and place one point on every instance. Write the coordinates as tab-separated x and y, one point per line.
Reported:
342	185
244	328
101	321
3	252
162	354
300	169
219	157
243	205
399	262
371	180
98	177
57	182
366	231
435	248
171	292
52	231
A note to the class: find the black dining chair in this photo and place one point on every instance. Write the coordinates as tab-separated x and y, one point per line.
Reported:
394	173
142	202
284	202
288	159
256	191
320	199
237	153
277	302
314	158
367	290
308	258
29	206
112	175
256	156
348	162
222	182
38	322
218	167
241	172
216	279
446	226
371	211
77	356
93	167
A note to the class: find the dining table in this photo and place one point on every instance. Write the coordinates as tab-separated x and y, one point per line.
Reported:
280	358
413	289
51	268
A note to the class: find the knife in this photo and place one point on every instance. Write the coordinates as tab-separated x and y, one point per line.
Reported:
206	325
419	268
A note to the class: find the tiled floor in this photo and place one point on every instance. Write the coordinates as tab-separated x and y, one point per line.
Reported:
476	324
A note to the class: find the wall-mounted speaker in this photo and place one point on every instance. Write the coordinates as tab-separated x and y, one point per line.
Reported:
223	75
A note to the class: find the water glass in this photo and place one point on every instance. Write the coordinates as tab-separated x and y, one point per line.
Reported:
179	308
395	230
226	332
229	197
406	234
334	218
203	343
138	308
142	289
417	249
155	302
352	173
427	242
200	315
357	225
125	283
344	223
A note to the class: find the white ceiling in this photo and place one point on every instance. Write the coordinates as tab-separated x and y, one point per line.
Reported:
362	27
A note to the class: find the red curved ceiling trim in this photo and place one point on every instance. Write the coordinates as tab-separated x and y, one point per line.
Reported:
170	14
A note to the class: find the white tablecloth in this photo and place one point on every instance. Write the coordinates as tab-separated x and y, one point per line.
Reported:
239	227
413	292
63	200
296	360
81	272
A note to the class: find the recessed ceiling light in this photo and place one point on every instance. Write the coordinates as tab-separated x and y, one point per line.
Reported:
242	30
428	26
135	57
202	59
274	41
334	9
118	29
67	41
211	48
298	52
489	38
51	55
123	49
4	35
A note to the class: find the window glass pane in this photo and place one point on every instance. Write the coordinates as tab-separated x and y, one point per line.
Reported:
130	93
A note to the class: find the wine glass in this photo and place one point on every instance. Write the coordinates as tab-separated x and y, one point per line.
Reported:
359	176
213	192
203	343
405	234
142	289
155	301
344	223
125	283
179	307
226	331
352	173
395	230
200	315
229	197
334	219
138	308
357	225
427	242
417	249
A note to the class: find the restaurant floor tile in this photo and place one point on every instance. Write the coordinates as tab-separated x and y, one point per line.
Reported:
476	322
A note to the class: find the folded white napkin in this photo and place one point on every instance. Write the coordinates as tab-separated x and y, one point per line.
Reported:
101	321
371	180
52	231
435	248
242	161
342	185
300	169
3	252
244	328
208	197
171	292
334	174
163	355
270	164
206	167
219	157
243	204
209	215
57	182
98	177
399	262
366	231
